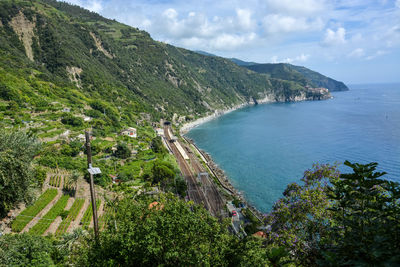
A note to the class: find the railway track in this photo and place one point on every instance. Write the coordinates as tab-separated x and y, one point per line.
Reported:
194	192
201	191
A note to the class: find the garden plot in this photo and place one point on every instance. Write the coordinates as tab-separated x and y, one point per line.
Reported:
31	212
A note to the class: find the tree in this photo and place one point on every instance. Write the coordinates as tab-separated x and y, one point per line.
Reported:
25	250
170	232
40	175
300	218
122	151
69	119
17	150
366	212
157	146
163	172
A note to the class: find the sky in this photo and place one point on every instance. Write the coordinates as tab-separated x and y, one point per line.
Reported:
354	41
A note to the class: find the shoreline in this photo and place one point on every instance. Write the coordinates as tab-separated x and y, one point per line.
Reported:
219	173
214	168
224	180
186	127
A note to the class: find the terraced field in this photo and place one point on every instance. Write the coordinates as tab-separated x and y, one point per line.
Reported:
87	217
72	214
41	226
29	213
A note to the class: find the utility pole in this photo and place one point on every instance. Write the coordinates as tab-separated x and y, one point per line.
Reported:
92	192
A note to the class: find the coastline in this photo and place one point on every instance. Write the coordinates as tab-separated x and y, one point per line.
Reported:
219	173
212	166
186	127
223	179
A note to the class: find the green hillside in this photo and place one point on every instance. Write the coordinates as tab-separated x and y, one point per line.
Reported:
297	74
320	80
54	52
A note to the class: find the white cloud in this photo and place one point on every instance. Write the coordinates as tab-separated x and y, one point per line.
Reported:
398	3
298	7
298	59
230	41
332	38
358	52
277	23
92	5
377	54
244	19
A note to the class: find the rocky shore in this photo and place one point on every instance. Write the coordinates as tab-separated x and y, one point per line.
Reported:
224	180
312	94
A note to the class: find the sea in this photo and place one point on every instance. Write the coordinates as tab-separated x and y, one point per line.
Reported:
263	148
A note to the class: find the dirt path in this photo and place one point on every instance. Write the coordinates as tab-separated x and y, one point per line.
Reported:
42	213
69	203
53	227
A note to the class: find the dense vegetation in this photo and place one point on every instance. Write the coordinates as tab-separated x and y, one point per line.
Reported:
17	150
331	219
297	74
109	76
103	59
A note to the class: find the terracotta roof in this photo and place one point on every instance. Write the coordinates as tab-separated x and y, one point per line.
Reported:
260	234
157	205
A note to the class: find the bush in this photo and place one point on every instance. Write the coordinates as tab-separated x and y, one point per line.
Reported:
69	119
122	151
40	175
25	250
17	149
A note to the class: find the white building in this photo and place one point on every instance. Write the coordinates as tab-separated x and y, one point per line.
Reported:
160	132
131	132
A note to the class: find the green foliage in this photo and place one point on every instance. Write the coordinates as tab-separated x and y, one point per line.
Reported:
300	218
88	215
40	175
339	220
157	145
163	172
366	212
147	236
17	150
68	118
72	214
25	250
298	74
71	149
122	151
30	212
41	226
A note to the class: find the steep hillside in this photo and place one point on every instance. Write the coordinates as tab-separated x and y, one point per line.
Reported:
297	74
242	63
320	80
54	52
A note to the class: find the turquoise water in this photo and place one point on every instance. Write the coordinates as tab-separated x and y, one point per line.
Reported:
263	148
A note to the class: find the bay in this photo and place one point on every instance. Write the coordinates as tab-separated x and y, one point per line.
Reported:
263	148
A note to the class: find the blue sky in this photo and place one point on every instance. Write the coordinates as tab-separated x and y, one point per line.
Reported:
355	41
